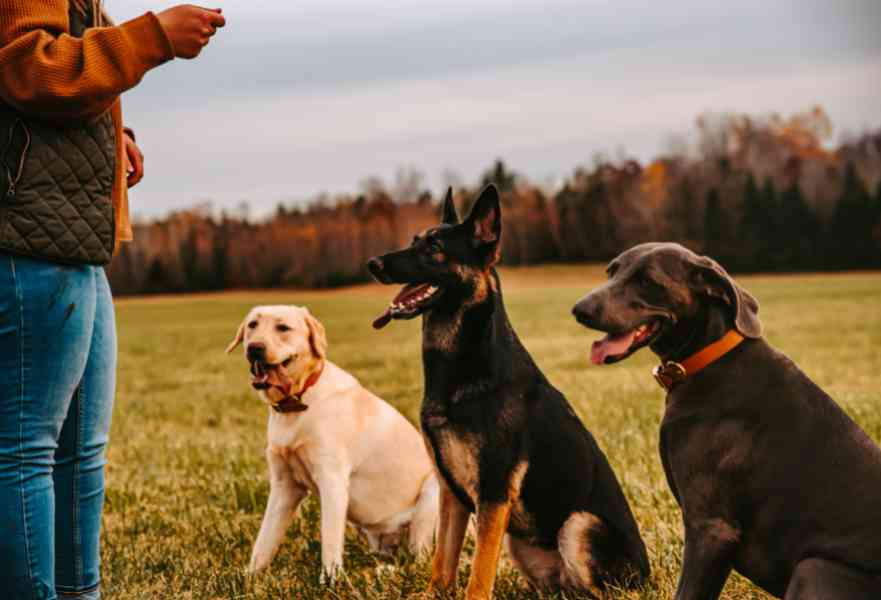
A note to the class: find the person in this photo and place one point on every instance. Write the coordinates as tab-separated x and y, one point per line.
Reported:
65	164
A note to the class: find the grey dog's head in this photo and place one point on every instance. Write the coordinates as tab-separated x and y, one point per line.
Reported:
657	295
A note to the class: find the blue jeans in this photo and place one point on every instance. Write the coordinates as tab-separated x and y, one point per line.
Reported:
57	379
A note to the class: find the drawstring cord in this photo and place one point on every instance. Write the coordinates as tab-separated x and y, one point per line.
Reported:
13	173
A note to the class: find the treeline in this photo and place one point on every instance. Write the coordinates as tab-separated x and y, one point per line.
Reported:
757	193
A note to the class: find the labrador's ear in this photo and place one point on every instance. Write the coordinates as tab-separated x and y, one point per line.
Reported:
317	336
712	280
240	335
449	214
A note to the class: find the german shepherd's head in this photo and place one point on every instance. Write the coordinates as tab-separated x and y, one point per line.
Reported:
447	266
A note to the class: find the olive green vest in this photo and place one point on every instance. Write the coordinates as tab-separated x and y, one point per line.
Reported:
56	183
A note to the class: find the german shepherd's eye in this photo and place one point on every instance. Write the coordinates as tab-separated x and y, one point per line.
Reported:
282	328
434	246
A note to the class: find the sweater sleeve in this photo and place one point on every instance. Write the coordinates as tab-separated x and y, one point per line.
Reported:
47	73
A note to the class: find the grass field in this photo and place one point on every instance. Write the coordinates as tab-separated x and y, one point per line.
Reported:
187	483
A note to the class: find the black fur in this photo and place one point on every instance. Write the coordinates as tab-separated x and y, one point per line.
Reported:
481	384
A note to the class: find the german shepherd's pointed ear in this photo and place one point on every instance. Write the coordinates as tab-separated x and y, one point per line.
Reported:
485	220
449	215
486	216
712	280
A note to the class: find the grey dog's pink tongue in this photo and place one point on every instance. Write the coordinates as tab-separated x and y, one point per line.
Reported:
611	346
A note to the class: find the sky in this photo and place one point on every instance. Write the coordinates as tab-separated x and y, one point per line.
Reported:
298	97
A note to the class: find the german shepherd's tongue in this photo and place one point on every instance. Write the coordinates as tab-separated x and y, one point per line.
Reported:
383	319
611	346
408	298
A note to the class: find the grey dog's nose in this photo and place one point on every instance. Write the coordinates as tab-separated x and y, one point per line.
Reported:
586	310
257	352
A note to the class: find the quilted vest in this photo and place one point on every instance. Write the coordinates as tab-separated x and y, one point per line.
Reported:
56	183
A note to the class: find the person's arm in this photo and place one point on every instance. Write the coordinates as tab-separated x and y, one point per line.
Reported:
47	73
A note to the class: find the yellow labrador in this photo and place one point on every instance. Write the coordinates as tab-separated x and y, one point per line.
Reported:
330	436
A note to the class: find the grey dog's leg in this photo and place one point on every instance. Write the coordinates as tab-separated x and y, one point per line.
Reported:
818	579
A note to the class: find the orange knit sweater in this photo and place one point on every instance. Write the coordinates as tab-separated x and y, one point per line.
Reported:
46	73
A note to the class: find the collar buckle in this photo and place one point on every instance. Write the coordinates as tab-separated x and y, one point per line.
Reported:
669	374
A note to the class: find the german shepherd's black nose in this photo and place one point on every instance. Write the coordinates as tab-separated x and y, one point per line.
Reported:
375	266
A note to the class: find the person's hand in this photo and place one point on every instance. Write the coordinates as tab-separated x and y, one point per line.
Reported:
190	27
134	161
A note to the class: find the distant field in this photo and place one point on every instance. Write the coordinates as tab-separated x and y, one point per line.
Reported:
187	483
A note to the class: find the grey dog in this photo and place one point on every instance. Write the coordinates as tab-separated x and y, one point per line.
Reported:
773	478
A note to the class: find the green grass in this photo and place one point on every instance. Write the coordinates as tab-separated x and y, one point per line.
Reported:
187	483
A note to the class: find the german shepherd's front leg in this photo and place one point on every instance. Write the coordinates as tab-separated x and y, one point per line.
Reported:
492	523
453	521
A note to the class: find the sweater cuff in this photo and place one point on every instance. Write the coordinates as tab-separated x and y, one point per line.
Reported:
148	40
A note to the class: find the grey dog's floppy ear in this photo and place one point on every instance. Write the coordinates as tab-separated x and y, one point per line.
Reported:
317	336
714	281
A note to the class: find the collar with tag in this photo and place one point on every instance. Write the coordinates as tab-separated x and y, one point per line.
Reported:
669	374
294	402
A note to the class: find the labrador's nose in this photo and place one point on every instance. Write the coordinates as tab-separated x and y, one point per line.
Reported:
256	352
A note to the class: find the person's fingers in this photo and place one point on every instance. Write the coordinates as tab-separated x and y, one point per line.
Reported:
214	18
135	160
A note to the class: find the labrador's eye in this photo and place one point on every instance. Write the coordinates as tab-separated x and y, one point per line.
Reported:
287	362
252	324
282	328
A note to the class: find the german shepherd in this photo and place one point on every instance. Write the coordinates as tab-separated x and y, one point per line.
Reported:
506	443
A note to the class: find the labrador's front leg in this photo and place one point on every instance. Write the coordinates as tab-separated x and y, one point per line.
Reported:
333	488
285	497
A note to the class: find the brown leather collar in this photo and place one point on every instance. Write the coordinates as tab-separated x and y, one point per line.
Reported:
294	402
669	374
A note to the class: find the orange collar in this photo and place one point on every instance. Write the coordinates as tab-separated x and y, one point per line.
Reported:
294	402
669	374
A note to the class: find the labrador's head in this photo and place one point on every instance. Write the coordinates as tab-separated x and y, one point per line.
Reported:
284	345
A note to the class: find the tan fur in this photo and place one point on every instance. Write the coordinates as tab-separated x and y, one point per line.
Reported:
365	461
541	567
576	553
492	523
452	525
442	335
459	456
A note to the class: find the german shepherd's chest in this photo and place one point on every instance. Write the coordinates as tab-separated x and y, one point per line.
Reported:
456	456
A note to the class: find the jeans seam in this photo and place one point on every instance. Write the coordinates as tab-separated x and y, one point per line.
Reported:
19	298
78	557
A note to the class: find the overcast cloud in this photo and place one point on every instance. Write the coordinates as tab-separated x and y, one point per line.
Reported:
298	97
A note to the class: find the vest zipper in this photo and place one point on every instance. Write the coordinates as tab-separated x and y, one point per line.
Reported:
14	175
